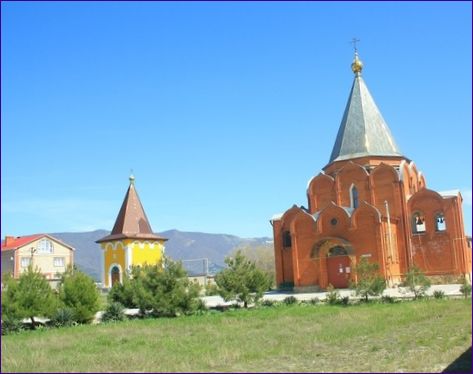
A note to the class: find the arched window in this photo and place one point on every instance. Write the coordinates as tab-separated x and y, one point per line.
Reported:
286	239
337	251
418	223
115	275
440	224
354	196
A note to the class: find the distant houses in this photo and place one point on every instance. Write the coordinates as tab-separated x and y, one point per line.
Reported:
42	251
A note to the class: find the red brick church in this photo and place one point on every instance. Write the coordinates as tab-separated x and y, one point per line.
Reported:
369	201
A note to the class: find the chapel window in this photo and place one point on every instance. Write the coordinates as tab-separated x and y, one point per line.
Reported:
440	224
418	223
286	239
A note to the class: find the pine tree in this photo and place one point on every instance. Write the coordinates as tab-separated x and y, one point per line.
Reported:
369	282
29	296
242	280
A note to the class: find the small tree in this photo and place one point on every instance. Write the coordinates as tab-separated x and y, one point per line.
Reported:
78	292
242	280
332	296
28	297
465	288
369	282
263	257
163	290
416	282
124	293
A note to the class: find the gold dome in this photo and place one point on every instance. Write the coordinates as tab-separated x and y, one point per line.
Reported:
357	65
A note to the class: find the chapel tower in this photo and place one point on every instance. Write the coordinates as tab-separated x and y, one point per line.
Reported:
131	242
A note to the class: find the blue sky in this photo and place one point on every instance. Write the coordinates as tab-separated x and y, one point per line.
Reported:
224	111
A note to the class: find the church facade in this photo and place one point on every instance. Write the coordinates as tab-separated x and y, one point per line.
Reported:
369	201
131	242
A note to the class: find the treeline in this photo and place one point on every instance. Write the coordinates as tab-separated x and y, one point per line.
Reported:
161	290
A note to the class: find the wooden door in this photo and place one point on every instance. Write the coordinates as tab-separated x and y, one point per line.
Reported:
115	275
338	270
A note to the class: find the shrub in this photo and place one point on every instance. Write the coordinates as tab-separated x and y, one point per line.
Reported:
28	297
11	325
465	288
290	300
113	312
163	290
123	293
242	280
211	290
268	303
345	300
369	281
332	296
63	317
388	299
439	294
314	301
78	291
416	282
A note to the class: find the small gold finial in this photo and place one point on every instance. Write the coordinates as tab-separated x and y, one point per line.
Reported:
356	65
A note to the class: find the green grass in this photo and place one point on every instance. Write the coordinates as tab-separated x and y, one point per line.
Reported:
421	336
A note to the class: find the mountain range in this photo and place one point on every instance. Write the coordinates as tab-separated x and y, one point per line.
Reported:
181	245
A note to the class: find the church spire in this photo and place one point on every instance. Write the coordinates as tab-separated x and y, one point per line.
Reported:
363	131
131	222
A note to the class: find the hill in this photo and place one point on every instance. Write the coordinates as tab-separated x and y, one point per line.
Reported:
180	246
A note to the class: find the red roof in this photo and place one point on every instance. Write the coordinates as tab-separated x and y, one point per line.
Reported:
19	241
11	242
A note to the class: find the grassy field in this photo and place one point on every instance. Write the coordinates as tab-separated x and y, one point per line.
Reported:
423	336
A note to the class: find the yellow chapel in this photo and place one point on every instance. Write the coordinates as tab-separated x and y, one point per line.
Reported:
131	242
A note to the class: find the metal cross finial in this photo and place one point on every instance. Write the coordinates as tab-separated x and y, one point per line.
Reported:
354	41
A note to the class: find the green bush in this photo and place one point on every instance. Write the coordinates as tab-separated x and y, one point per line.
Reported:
124	293
268	303
290	300
11	325
386	299
465	288
242	280
211	289
314	301
345	300
78	291
439	294
63	317
29	296
369	281
416	282
113	312
332	296
161	290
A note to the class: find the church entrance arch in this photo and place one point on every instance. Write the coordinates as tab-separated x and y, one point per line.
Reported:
338	267
334	257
